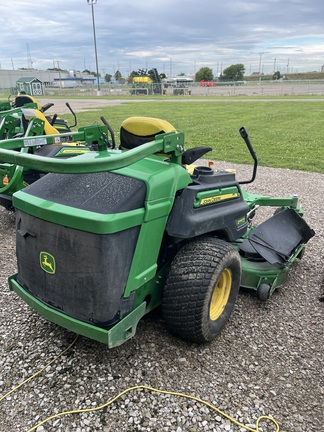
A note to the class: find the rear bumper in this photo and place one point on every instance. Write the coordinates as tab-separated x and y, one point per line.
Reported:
115	336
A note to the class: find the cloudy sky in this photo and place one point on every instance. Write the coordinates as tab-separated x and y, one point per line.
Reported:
174	36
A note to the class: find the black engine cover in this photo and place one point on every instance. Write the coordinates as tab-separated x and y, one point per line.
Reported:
224	217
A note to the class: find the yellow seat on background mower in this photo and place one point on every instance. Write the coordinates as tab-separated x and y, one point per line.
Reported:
29	113
48	128
136	131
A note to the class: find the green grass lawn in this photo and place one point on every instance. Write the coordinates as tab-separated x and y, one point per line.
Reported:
285	134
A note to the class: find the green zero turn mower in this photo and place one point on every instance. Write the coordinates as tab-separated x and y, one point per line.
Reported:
39	136
13	120
109	235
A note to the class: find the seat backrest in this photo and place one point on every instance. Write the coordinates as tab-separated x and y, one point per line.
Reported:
22	100
48	128
136	131
29	113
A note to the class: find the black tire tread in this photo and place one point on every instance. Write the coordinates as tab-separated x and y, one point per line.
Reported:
191	275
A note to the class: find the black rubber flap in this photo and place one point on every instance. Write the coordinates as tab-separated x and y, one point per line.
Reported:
277	238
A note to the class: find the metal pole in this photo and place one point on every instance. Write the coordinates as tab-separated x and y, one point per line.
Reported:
92	2
59	71
261	54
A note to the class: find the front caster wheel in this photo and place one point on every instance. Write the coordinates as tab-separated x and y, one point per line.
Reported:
201	289
263	292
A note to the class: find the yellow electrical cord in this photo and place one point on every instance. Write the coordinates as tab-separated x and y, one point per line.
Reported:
40	371
139	387
261	418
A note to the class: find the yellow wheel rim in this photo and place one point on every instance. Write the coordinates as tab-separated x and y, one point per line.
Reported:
220	294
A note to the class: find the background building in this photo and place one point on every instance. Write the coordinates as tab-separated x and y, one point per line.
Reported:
48	78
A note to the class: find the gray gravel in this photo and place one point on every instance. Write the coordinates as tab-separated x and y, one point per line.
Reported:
267	361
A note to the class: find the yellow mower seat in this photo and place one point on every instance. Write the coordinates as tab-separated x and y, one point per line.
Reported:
29	113
48	128
136	131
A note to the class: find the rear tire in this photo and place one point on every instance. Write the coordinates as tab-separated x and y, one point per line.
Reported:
201	289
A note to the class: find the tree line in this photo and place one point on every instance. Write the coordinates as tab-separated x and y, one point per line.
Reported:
234	72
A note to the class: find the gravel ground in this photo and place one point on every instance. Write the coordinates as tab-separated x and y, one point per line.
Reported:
267	361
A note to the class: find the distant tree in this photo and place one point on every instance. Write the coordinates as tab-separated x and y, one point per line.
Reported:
205	74
131	76
107	78
181	74
55	69
233	73
118	75
276	75
89	72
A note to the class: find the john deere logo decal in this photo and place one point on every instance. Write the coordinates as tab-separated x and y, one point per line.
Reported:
47	262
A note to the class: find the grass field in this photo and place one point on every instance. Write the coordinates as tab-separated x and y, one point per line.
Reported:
285	134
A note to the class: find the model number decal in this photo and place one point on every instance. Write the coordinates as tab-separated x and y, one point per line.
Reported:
74	151
215	199
240	221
